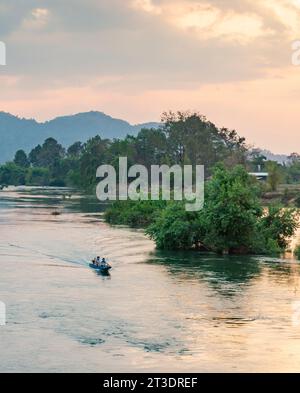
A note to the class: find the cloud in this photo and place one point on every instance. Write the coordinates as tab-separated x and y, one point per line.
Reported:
123	51
165	42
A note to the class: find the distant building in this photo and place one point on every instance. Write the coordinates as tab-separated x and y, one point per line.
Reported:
263	176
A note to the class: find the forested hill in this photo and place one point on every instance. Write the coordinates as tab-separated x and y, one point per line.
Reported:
17	133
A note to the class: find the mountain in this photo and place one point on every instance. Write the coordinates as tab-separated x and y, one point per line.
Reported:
18	133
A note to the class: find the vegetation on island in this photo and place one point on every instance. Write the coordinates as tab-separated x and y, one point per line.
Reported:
240	214
232	221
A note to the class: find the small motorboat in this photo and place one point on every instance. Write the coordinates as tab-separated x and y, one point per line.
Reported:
104	269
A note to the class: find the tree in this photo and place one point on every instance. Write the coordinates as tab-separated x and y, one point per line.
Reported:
227	223
75	150
192	139
279	224
21	159
275	174
151	147
47	154
293	168
174	228
136	214
38	176
122	148
231	211
50	152
96	153
34	155
12	174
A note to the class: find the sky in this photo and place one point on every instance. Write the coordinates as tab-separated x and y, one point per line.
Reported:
230	60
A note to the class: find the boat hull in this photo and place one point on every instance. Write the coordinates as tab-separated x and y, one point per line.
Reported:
100	269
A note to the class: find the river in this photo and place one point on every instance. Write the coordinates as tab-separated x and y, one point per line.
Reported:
156	312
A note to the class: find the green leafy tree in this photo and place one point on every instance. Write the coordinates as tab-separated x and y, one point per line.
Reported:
12	174
34	155
47	154
38	176
96	153
50	153
174	228
136	214
279	224
21	159
275	174
231	211
122	148
151	147
192	139
293	171
75	150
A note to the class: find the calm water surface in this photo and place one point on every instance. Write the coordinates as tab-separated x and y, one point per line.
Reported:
156	312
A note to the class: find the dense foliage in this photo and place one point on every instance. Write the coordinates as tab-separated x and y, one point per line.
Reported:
184	138
232	221
136	214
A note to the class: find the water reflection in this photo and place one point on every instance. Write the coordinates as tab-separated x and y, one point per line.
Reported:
228	270
226	275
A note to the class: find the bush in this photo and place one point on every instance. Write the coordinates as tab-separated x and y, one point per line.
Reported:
136	214
38	176
279	224
174	228
12	174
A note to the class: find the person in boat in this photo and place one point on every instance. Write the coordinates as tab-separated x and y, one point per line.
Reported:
103	263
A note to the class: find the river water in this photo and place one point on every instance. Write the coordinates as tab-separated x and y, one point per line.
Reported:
156	312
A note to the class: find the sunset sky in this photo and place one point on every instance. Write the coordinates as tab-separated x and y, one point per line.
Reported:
134	59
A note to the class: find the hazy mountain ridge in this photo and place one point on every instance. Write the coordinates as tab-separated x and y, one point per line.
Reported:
20	133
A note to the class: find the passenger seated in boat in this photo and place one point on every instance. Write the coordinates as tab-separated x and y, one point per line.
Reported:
98	261
103	263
